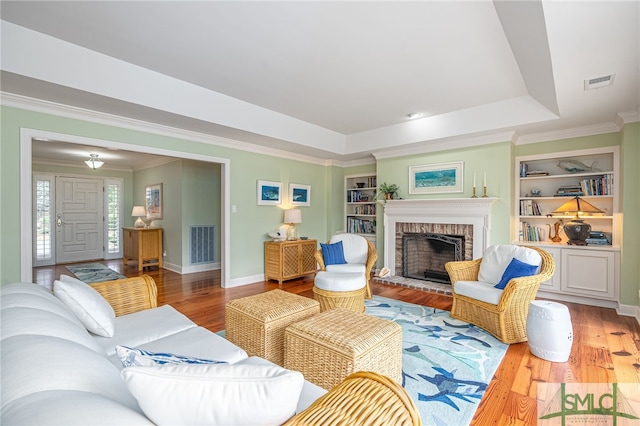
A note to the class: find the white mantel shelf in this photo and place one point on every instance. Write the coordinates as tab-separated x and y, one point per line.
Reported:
438	203
466	211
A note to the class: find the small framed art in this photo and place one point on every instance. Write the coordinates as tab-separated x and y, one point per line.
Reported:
299	195
269	193
153	201
436	178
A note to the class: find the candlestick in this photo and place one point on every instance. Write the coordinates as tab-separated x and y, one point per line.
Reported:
474	193
484	192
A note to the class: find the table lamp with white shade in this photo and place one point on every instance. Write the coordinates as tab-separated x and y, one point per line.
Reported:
140	212
292	216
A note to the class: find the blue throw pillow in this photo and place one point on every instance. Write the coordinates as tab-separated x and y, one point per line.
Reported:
131	357
516	269
333	254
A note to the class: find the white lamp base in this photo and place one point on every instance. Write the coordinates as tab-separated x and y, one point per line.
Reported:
292	233
139	223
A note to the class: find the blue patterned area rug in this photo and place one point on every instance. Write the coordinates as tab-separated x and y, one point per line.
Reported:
94	272
447	364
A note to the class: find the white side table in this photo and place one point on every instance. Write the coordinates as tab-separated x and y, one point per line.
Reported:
549	330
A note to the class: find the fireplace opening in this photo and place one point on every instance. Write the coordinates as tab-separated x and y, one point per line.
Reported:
424	255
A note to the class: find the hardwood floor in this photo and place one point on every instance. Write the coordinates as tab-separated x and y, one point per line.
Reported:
606	346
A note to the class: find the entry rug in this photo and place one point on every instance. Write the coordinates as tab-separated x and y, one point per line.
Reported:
94	273
447	364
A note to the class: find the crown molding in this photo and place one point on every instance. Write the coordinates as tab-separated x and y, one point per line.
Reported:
67	111
627	117
596	129
445	144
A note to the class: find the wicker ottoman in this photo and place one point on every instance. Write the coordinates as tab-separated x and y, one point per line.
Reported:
340	289
329	346
256	323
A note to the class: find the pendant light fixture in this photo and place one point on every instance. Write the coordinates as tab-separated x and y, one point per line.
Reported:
94	162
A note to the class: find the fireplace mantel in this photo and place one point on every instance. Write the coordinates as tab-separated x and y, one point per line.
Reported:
466	211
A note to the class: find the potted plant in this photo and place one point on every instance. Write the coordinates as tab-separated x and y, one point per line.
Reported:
388	190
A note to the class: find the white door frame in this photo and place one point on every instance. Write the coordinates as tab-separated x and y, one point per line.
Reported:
26	232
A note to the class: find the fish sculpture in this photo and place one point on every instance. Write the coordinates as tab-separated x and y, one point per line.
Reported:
575	166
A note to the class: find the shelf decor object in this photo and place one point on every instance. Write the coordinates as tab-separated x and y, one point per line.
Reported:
577	230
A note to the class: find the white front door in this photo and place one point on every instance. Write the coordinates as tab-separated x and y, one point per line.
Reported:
79	219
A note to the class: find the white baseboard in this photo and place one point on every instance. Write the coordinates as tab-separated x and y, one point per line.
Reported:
237	282
191	269
629	311
201	268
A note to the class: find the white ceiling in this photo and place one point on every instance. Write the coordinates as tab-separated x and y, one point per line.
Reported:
332	80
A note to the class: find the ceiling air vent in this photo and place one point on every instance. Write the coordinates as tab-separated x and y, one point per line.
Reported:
598	82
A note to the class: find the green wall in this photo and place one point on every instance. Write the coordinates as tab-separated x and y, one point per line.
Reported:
494	159
630	182
251	223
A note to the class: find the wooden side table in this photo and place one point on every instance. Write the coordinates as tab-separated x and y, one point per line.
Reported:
285	260
144	245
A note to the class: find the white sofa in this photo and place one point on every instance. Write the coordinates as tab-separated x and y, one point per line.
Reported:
55	372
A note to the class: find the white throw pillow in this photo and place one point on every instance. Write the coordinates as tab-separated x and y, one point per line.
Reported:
220	394
496	259
87	304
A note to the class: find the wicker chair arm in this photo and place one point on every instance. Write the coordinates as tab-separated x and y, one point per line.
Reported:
464	270
363	398
320	260
129	295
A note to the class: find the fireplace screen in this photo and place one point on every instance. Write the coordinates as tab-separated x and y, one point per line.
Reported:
424	255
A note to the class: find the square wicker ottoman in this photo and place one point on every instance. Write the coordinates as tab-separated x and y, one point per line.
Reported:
329	346
256	323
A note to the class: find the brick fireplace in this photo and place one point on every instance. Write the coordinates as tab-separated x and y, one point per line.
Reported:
466	220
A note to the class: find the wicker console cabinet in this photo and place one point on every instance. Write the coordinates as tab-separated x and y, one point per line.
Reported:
144	245
285	260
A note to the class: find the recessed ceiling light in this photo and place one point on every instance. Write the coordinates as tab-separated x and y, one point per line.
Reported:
414	115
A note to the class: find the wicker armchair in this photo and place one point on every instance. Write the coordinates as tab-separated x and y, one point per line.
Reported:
129	295
506	320
368	259
363	398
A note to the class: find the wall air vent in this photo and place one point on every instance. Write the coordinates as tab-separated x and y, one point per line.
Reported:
598	82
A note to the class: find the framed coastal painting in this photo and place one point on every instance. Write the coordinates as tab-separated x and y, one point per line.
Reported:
299	195
153	201
438	178
269	193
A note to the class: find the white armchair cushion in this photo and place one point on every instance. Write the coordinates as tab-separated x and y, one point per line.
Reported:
496	259
347	268
218	394
355	247
478	290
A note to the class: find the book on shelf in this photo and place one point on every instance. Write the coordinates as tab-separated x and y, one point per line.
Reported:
529	208
533	173
532	233
360	226
597	186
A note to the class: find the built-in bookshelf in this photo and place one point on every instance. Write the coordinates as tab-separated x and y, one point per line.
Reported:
584	273
546	182
360	204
